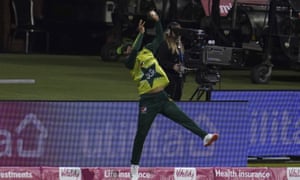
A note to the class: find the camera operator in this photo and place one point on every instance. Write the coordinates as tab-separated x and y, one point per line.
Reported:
170	56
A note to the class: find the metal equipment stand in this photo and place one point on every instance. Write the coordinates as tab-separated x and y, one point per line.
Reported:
206	89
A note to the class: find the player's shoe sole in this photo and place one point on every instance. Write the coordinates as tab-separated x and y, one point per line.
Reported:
210	138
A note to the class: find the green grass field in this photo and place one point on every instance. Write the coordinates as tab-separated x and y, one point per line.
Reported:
64	77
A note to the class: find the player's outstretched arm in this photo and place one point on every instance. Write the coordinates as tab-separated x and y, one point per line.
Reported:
136	45
154	45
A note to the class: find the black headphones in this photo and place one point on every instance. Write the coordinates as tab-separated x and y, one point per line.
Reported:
173	24
171	27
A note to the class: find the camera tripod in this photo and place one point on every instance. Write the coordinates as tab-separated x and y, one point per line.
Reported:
204	88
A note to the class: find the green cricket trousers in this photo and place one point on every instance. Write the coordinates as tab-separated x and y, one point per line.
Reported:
149	106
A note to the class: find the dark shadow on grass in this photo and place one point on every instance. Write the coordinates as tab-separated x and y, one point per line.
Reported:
54	60
286	78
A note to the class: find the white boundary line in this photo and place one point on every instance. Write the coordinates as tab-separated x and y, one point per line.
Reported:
17	81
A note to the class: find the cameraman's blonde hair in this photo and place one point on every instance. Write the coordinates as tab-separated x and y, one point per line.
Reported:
173	43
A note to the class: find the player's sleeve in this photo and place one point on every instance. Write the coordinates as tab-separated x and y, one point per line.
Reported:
154	45
129	63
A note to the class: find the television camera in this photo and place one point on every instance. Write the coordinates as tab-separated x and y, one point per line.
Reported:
206	58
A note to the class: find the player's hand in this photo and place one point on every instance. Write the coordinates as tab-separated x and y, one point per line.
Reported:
141	27
153	15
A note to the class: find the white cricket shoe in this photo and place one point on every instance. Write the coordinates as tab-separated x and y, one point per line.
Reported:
134	172
209	139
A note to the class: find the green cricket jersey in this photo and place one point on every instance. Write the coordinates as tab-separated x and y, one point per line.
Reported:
145	69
